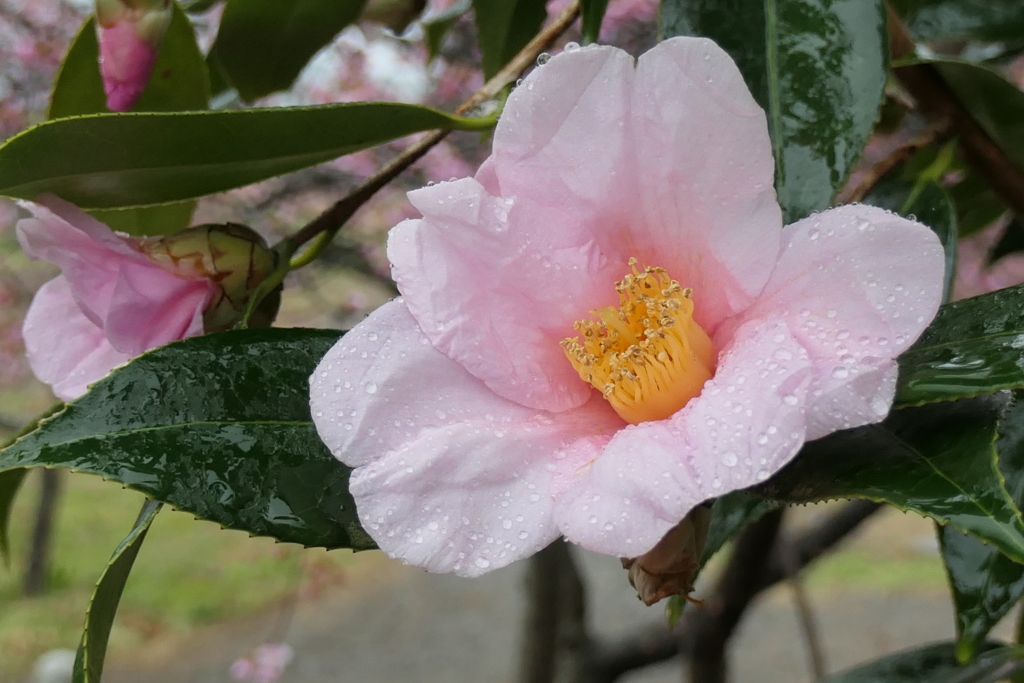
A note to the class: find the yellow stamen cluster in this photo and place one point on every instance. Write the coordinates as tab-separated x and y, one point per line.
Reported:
647	357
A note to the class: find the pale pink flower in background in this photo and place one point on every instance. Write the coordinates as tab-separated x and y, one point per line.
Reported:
975	272
110	303
476	441
265	665
130	34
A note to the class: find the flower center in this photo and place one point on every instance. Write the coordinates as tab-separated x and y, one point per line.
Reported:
647	357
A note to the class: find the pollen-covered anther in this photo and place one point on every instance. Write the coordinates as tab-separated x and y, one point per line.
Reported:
647	357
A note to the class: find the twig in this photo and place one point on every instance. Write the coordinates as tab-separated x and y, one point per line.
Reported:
725	608
805	614
331	220
941	106
655	643
540	635
37	570
897	156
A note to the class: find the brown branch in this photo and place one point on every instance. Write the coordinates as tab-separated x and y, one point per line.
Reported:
653	644
941	106
540	634
725	608
345	208
805	615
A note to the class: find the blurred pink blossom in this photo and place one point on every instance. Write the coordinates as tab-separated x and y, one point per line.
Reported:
265	664
975	272
111	302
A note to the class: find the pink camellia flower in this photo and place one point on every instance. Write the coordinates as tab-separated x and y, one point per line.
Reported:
609	324
130	35
119	296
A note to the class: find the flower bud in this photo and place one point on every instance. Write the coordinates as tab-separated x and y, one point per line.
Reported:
130	35
232	256
669	567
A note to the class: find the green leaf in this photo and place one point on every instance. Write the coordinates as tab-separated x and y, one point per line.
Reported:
218	426
264	44
729	515
817	67
930	204
99	618
10	482
593	14
986	584
936	460
504	28
180	82
105	161
994	102
977	204
964	20
974	346
931	664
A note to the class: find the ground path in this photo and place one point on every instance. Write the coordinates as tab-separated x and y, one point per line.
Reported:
393	623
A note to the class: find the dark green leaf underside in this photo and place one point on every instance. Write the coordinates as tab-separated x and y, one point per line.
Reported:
122	160
936	460
262	45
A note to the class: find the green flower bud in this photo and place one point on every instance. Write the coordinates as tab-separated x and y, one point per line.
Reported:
234	257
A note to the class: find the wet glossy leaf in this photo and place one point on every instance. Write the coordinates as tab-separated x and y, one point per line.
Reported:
107	161
931	664
974	346
592	12
936	460
504	28
818	67
967	20
10	483
929	203
264	44
99	618
180	82
985	583
218	426
729	515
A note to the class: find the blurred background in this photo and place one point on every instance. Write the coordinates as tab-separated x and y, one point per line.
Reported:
201	600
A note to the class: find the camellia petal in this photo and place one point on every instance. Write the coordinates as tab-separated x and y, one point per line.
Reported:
746	424
437	483
854	334
151	307
76	357
707	210
88	253
503	329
